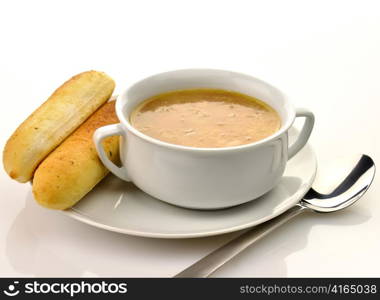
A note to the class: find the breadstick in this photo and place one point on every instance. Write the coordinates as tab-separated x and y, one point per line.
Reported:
53	121
73	168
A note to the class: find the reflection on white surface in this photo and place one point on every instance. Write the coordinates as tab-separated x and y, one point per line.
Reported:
271	257
41	242
118	202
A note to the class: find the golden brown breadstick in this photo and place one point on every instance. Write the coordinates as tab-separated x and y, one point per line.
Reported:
73	168
53	121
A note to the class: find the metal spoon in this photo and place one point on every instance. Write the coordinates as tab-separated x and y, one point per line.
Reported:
351	189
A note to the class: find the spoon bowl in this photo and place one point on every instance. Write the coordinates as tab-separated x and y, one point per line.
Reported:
351	189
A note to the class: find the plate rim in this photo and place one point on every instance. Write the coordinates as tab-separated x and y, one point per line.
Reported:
98	224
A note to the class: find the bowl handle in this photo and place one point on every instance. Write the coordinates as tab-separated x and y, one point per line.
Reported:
305	131
100	134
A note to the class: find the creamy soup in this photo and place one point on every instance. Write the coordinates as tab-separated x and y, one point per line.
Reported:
205	118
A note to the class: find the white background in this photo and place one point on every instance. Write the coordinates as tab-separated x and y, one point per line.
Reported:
324	54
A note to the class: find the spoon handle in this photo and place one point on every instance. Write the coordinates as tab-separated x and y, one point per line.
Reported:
210	263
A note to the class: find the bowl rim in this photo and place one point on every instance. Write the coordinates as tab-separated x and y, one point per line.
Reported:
124	120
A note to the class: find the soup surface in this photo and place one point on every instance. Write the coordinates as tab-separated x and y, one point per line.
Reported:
205	118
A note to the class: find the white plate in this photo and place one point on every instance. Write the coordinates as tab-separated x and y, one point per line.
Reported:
120	206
